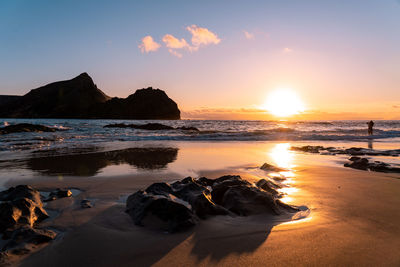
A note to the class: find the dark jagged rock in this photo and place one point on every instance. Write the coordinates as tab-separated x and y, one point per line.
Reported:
86	204
80	98
199	197
268	186
19	238
25	127
159	189
58	193
150	127
173	215
271	168
376	166
19	206
180	204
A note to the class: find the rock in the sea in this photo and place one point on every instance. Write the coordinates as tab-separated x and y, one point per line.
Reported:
86	204
150	127
19	206
171	214
25	127
58	193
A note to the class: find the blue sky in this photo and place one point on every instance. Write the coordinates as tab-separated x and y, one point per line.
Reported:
336	54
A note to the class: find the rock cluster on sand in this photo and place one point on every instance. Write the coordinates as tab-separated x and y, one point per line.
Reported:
21	209
353	151
58	193
364	164
25	127
80	98
180	205
150	127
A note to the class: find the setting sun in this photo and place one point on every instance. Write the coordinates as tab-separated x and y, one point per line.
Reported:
283	103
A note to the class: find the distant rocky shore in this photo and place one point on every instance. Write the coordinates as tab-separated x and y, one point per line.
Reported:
80	98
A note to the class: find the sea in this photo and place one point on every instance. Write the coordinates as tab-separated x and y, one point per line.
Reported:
75	134
85	148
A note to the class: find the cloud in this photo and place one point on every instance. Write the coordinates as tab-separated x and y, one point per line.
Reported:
287	50
148	45
202	36
175	53
396	106
248	35
173	42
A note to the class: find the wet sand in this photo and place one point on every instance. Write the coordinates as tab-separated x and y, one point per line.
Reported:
354	220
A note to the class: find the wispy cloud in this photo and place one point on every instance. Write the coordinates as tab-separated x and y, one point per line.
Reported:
396	106
248	35
148	45
202	36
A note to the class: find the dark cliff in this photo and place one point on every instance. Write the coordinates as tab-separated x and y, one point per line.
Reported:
80	98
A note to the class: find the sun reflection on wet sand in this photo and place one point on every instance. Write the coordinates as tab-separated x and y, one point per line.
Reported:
282	156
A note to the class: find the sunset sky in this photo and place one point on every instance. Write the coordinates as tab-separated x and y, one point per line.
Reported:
216	59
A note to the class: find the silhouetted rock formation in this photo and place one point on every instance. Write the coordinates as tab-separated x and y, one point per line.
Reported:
144	104
150	127
90	163
178	206
8	98
80	98
25	127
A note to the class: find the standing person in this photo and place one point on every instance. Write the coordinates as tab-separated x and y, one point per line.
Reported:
370	127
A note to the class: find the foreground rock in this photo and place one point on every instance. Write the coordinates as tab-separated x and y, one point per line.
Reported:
25	127
20	206
80	98
150	127
364	164
21	209
180	205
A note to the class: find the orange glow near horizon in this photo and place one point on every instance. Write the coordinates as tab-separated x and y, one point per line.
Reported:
284	103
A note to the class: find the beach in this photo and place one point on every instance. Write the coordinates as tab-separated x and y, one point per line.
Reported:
353	216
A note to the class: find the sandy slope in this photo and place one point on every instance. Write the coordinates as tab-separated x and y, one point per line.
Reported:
355	220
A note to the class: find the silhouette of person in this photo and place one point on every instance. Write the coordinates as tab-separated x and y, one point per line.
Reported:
370	127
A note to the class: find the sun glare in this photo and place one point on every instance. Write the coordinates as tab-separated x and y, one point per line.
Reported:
284	103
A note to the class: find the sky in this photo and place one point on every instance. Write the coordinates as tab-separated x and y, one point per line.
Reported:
216	59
